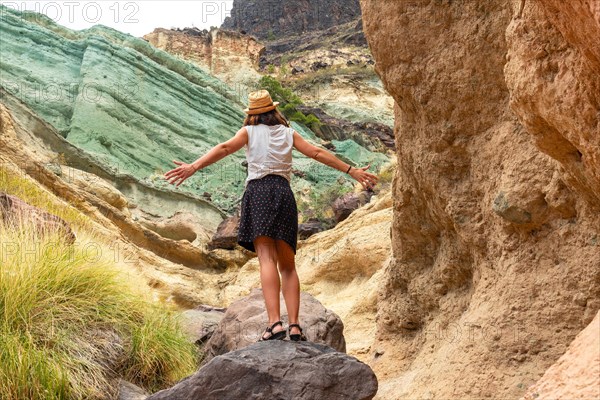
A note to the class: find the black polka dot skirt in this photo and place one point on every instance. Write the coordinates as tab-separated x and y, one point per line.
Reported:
268	208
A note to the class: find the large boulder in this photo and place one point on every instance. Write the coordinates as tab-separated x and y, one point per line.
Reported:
278	369
344	205
14	212
199	323
246	319
310	227
227	234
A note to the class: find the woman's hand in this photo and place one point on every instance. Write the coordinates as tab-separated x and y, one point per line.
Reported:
180	173
367	179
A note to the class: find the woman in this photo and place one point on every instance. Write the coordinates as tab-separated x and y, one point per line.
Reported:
268	216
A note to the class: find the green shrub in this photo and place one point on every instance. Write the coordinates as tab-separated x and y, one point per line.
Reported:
70	324
319	205
278	92
289	102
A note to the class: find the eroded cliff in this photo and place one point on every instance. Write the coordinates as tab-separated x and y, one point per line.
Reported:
495	231
266	18
231	56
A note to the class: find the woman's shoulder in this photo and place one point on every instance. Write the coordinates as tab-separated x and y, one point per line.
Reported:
272	128
276	128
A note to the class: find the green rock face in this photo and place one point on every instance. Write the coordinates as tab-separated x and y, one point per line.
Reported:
134	107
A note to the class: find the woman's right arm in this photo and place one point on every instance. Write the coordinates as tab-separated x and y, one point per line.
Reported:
367	179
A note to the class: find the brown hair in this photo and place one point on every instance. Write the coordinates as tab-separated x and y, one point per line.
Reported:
273	117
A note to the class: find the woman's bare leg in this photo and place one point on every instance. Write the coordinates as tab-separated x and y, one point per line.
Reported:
269	279
289	281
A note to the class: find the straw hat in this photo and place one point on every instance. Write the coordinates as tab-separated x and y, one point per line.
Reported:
260	102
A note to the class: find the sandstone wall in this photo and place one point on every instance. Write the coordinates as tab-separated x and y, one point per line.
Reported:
495	232
231	56
576	375
552	72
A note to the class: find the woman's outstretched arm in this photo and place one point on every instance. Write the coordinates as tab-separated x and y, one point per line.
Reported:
220	151
365	178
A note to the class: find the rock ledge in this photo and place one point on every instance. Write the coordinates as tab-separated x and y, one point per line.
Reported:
278	370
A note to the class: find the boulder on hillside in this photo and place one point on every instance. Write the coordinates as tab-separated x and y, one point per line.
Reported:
310	227
343	206
226	235
14	212
246	319
278	369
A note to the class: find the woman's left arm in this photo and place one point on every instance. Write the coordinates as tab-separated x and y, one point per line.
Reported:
220	151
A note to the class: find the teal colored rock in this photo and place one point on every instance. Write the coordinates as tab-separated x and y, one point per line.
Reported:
351	150
136	108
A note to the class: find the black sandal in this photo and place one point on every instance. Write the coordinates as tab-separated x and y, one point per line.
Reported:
274	336
296	337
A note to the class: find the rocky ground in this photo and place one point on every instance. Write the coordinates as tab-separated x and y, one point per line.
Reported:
281	369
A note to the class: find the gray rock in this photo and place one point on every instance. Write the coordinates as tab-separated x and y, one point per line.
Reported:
310	227
328	145
267	19
343	206
319	65
297	70
510	212
278	370
246	319
129	391
200	323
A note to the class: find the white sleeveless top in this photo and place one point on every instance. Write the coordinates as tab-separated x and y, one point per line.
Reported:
269	151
